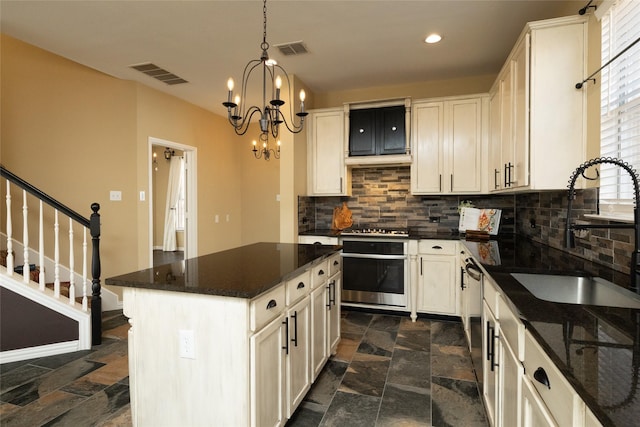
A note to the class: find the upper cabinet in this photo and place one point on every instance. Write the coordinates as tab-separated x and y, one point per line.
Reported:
327	173
377	131
538	117
448	145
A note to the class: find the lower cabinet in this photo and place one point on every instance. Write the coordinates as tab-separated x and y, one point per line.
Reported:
522	387
319	315
267	375
534	411
437	284
298	353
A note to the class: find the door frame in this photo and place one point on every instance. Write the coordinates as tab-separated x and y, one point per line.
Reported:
191	177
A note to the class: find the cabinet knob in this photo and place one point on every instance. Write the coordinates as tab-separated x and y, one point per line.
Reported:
541	376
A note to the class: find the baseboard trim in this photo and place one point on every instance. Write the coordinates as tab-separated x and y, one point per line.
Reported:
39	351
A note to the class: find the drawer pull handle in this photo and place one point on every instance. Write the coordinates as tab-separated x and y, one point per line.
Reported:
336	262
271	304
436	247
541	376
300	285
321	273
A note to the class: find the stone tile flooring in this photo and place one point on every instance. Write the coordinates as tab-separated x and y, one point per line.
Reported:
388	371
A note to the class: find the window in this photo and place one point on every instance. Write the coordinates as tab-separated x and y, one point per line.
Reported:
620	104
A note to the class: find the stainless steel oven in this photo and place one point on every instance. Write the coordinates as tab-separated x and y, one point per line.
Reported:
374	271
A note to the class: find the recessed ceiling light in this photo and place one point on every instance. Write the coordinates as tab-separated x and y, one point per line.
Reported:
433	38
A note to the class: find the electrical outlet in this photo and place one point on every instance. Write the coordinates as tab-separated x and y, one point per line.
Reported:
187	344
115	196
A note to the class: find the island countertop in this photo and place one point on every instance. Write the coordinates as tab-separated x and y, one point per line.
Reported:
243	272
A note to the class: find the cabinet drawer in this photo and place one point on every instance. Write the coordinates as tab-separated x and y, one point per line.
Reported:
319	273
437	247
511	328
298	287
267	307
559	396
490	294
335	264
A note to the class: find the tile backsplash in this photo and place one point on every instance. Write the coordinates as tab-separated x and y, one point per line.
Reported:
381	198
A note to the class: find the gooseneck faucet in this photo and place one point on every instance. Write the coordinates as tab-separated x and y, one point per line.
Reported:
569	236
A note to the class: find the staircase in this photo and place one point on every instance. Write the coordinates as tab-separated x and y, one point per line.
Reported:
45	308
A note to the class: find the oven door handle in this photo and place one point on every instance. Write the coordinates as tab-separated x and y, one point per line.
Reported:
374	256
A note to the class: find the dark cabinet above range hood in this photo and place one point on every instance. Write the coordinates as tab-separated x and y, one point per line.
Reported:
377	131
378	134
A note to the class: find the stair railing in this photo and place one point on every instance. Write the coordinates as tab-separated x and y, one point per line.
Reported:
91	224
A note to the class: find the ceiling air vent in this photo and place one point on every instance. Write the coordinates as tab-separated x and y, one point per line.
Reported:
152	70
294	48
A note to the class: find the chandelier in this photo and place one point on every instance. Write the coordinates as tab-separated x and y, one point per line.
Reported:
271	117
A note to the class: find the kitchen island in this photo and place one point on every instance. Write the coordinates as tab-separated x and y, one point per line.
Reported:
233	338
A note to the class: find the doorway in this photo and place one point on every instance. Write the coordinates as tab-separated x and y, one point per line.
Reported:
172	202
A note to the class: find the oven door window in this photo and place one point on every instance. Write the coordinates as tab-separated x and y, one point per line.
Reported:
373	275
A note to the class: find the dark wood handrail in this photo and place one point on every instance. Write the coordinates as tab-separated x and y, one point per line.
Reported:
44	197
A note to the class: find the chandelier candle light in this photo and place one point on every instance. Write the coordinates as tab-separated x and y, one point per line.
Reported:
271	117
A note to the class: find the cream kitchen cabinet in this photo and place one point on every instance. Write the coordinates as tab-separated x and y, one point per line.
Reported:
534	146
448	145
502	369
437	277
267	375
334	290
552	397
327	173
323	240
325	311
298	340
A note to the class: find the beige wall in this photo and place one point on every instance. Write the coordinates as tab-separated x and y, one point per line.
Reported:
60	117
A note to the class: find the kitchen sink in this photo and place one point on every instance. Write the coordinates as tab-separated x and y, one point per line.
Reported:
583	290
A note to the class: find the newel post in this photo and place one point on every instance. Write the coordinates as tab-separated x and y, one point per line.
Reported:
96	299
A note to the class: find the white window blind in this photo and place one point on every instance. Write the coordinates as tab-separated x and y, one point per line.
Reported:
620	104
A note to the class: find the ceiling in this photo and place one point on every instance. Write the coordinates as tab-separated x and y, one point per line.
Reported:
351	44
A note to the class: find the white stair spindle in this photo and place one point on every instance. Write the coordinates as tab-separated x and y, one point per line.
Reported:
26	276
56	256
41	280
84	270
9	233
72	279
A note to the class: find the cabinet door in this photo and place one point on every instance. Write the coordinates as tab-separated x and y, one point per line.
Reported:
534	411
333	316
319	333
299	353
489	363
327	171
437	286
362	132
267	375
427	134
495	139
520	172
511	371
391	130
464	145
506	130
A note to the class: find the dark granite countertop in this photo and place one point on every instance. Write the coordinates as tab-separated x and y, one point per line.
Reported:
243	272
596	348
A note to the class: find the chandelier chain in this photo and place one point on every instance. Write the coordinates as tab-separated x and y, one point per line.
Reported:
264	45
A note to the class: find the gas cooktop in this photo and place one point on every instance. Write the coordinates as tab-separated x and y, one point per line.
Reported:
375	232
